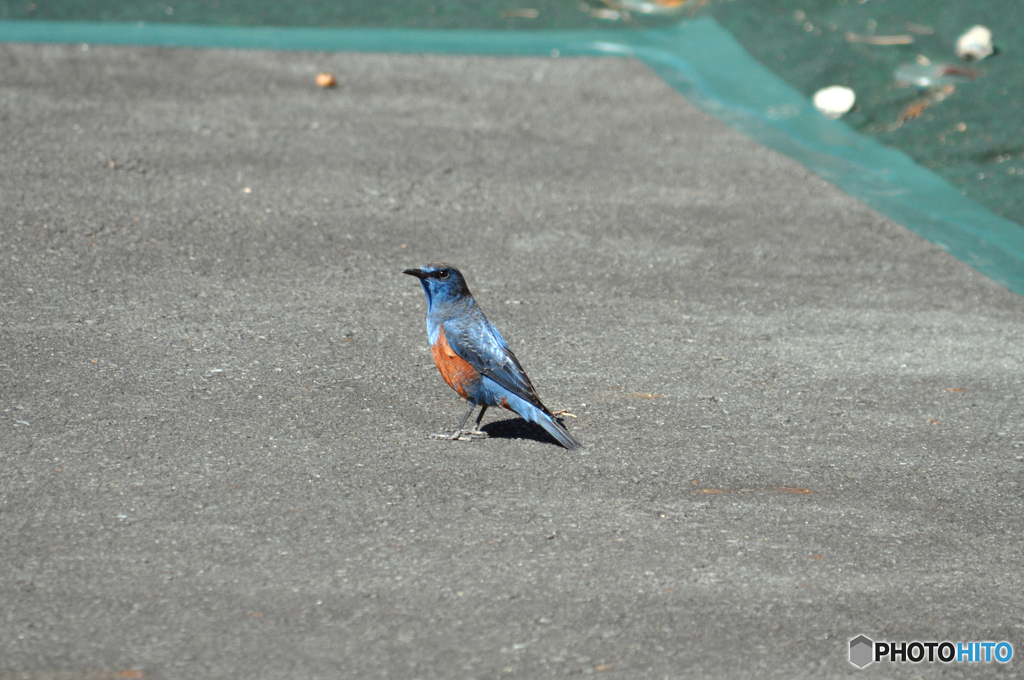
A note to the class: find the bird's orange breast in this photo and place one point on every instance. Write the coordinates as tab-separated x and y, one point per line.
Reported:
455	370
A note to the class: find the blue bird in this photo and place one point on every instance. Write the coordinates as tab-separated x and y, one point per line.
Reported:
472	356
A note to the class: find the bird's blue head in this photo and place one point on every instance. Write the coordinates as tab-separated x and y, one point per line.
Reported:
442	282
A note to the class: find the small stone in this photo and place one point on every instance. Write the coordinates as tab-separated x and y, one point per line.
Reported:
975	43
834	101
325	79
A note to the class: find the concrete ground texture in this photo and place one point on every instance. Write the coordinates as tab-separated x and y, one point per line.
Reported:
802	422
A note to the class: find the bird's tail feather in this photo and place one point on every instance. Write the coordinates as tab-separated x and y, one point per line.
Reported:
553	427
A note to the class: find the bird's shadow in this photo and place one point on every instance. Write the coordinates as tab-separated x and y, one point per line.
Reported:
518	428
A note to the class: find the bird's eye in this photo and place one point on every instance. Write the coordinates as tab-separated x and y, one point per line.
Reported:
444	274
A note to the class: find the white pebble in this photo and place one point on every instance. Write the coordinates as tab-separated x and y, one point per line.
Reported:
975	43
834	101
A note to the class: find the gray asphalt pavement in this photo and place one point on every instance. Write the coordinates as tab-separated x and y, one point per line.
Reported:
802	422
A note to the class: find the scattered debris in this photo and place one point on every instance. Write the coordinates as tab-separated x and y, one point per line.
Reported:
975	43
879	39
653	6
912	111
915	109
325	79
926	74
918	28
524	13
834	101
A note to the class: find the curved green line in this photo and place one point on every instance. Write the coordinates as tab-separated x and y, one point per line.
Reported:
699	59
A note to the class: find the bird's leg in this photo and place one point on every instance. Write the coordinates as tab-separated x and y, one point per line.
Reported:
459	432
474	432
458	429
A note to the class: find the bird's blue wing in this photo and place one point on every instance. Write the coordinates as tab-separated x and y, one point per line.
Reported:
478	342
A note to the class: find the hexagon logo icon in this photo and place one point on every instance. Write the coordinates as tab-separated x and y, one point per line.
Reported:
861	651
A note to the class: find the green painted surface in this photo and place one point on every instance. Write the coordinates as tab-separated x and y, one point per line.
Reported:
436	14
698	58
973	136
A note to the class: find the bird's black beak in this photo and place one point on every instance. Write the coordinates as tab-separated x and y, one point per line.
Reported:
418	273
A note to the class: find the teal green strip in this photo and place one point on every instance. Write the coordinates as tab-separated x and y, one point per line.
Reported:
699	59
508	43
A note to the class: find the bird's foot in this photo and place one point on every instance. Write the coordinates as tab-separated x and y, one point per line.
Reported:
460	435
